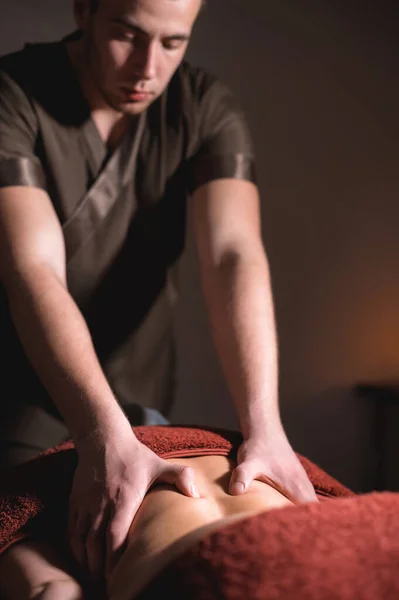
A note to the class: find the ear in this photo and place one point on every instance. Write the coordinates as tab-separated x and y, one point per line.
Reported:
81	10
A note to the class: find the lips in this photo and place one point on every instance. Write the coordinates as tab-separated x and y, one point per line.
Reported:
136	92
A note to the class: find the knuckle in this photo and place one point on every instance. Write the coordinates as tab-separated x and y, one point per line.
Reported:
240	471
186	471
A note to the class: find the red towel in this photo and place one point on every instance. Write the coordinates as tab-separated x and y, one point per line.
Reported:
340	549
33	496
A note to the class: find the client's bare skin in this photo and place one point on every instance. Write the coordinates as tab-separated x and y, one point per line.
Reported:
166	524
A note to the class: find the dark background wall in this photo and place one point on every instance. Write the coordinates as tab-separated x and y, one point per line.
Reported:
319	82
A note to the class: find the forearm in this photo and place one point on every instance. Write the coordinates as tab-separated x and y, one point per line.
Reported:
58	344
239	299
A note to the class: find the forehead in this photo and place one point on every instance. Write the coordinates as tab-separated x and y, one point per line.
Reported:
153	15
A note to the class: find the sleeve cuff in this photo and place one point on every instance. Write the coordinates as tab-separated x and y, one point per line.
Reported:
228	166
23	171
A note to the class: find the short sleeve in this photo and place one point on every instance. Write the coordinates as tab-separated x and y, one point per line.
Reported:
18	133
225	148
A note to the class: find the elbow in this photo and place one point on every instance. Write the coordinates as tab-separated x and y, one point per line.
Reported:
247	256
235	270
25	278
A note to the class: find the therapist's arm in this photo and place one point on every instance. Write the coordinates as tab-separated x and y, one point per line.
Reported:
114	469
237	288
49	323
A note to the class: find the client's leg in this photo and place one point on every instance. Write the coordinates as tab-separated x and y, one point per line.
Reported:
34	571
168	522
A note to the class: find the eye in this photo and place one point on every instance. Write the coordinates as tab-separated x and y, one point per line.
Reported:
127	37
173	44
119	33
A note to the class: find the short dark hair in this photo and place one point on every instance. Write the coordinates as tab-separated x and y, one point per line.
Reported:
93	5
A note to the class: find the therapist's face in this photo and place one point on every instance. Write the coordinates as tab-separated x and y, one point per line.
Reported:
133	47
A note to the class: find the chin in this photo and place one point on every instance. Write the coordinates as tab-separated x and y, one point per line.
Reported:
126	108
129	108
134	108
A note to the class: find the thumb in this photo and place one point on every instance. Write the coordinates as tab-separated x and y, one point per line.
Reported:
241	478
184	479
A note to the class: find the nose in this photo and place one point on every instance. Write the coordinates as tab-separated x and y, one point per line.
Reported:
146	61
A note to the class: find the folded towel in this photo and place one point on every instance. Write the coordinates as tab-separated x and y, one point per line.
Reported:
34	496
341	549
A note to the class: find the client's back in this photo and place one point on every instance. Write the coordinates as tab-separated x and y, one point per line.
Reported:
169	522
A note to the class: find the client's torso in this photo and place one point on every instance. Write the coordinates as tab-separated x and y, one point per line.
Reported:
168	522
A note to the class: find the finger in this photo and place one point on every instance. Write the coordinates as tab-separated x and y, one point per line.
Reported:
291	495
77	537
247	472
298	491
95	550
241	478
117	531
297	487
183	478
303	492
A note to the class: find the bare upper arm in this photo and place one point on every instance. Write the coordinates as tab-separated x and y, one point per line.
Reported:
226	220
30	233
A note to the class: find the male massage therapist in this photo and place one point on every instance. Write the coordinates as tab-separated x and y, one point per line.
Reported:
103	135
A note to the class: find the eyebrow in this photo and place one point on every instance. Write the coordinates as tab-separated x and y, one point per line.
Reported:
137	29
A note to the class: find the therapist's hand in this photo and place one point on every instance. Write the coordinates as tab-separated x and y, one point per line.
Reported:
269	457
111	480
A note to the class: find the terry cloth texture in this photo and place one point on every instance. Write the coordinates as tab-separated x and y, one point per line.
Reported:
34	496
339	549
